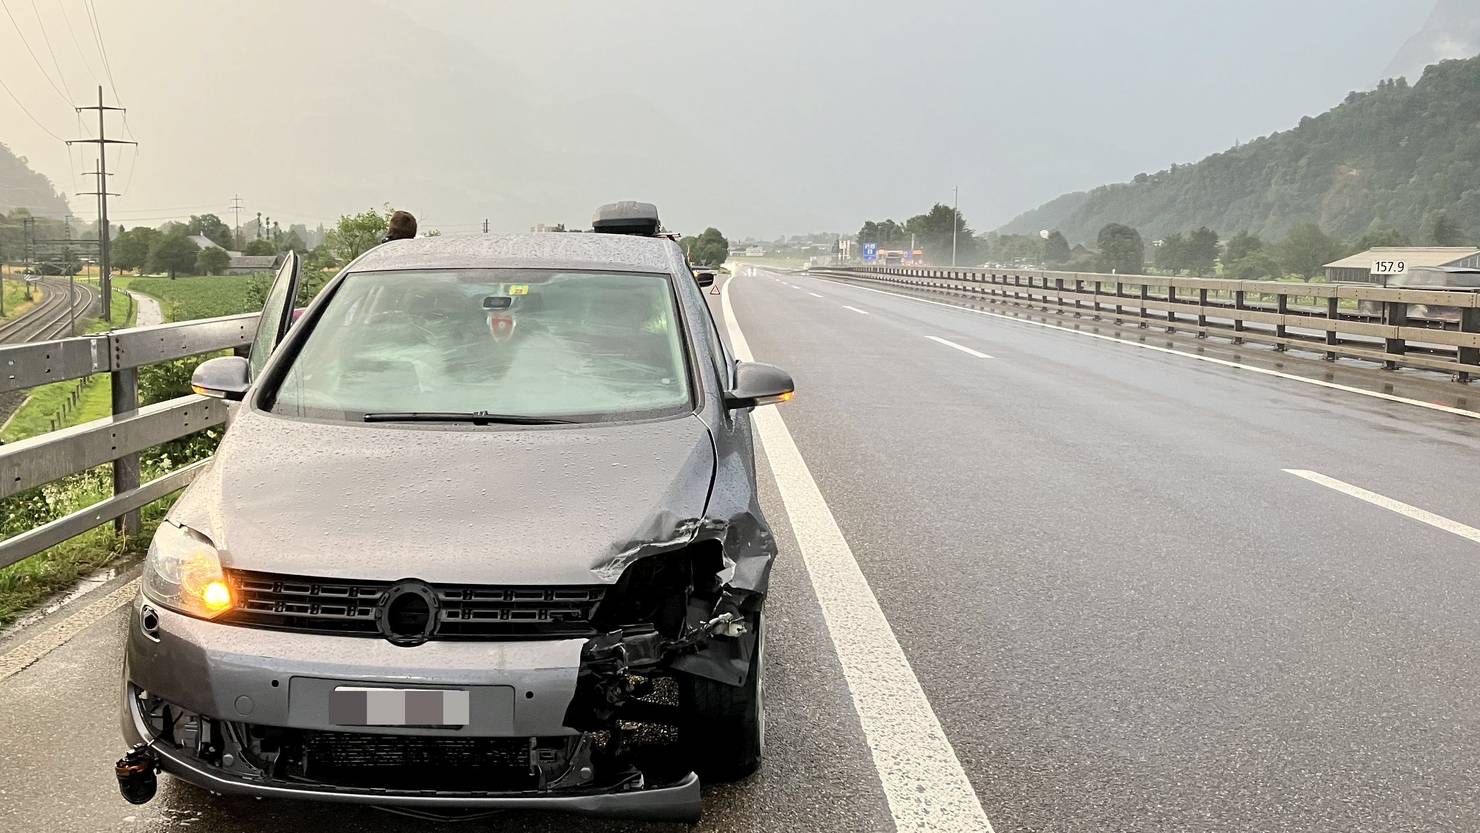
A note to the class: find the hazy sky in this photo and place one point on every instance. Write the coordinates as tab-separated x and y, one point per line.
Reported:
761	117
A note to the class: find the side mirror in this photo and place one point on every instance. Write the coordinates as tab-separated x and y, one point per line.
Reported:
704	278
758	384
222	378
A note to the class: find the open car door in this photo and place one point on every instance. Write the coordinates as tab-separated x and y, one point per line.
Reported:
277	314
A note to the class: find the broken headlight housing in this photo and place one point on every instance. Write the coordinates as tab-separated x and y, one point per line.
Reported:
183	573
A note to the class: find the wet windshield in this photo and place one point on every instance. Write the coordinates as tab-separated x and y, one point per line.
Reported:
572	346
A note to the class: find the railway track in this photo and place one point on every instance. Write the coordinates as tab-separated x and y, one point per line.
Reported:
50	318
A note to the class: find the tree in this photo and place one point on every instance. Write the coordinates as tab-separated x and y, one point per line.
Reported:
293	243
212	227
932	231
1121	250
173	253
130	250
1305	250
708	249
1256	265
355	233
212	261
1202	250
1056	248
885	233
1444	232
1240	246
1378	238
258	247
1171	254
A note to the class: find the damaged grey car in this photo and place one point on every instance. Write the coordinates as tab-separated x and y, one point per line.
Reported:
482	534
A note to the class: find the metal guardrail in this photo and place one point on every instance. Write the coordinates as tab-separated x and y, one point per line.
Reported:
1269	312
117	438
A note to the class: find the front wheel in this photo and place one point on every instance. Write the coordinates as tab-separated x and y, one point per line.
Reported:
723	728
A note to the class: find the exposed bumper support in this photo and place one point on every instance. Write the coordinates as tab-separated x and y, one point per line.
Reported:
677	802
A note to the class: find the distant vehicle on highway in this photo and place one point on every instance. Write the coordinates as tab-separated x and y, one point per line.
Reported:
487	505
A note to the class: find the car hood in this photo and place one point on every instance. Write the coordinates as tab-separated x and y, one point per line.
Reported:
453	504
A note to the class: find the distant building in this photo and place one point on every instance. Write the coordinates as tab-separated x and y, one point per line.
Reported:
240	264
1358	267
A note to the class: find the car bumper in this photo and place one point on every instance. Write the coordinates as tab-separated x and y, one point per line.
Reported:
260	676
244	677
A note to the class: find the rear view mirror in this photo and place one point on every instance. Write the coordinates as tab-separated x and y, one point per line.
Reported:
222	378
758	384
704	278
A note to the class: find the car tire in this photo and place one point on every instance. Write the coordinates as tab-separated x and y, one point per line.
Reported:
723	727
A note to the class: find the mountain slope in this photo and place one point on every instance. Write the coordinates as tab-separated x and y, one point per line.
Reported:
21	187
1385	158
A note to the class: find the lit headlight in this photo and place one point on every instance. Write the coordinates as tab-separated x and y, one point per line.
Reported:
183	573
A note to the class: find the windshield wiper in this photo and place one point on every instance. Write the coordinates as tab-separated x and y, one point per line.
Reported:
474	417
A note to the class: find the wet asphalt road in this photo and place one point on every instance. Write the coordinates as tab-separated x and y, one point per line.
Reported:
1123	611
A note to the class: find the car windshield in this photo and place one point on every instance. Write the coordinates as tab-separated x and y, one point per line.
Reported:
524	344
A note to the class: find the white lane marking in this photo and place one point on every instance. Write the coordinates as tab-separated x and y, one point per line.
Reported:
814	294
856	309
1437	521
28	652
927	790
1209	359
968	350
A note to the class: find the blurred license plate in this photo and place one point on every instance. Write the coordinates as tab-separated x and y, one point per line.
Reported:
352	706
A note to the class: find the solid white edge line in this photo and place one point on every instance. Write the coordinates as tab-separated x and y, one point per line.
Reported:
1209	359
23	655
927	790
979	354
856	309
1422	516
814	294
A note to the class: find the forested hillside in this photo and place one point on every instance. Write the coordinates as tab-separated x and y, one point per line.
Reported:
21	187
1391	158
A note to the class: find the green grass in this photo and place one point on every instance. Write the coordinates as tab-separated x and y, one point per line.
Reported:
16	299
59	405
183	299
27	583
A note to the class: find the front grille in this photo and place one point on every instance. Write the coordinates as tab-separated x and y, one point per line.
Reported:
413	762
345	606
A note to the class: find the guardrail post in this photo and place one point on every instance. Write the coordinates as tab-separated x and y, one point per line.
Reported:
1469	322
126	469
1098	290
1333	312
1171	312
1202	316
1281	306
1238	323
1395	314
1119	310
1145	296
1058	289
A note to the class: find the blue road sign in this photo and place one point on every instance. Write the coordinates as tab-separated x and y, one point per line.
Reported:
870	252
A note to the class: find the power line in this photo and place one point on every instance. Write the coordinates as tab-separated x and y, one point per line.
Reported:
46	39
29	114
72	31
97	28
102	141
133	165
32	52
